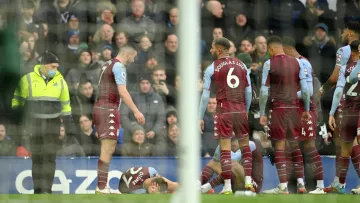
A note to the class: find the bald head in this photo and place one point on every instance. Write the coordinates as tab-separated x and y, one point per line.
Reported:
215	8
260	44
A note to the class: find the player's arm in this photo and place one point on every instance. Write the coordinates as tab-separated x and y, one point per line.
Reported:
248	92
120	79
206	91
172	186
264	90
304	86
353	77
338	91
341	60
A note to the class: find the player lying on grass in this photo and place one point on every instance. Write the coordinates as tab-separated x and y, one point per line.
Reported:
145	180
214	166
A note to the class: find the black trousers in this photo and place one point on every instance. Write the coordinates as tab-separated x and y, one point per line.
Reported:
44	136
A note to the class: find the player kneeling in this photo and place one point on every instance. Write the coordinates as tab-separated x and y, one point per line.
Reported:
238	175
145	180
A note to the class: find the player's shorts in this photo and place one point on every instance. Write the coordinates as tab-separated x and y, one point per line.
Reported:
308	128
107	122
226	124
283	120
349	127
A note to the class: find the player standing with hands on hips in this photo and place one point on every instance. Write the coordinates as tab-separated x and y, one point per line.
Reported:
229	77
106	116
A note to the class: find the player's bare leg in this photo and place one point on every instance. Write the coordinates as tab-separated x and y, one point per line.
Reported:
344	162
298	165
237	177
337	142
355	158
225	146
316	164
280	163
246	161
107	150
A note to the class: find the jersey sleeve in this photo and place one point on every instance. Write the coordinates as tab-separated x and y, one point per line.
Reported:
119	73
252	146
341	80
308	68
342	56
303	73
265	80
236	156
152	172
207	76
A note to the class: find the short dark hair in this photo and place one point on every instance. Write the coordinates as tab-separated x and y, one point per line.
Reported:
222	41
288	41
163	185
247	39
353	26
355	46
274	40
84	80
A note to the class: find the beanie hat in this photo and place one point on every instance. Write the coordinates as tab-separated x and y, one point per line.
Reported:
171	111
245	58
135	127
48	58
70	33
322	26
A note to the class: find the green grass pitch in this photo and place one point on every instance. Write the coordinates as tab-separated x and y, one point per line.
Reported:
329	198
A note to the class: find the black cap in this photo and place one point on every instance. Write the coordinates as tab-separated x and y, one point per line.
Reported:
48	58
145	77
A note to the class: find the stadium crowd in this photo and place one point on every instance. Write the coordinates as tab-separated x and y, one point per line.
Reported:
85	34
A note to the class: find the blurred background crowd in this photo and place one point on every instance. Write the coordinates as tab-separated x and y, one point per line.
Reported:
84	34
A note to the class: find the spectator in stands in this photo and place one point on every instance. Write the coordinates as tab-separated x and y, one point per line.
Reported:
27	8
104	35
71	50
171	116
68	145
73	24
217	33
84	69
151	106
174	20
246	46
315	12
105	52
138	24
260	54
83	102
240	28
56	15
143	50
208	143
88	137
212	15
168	147
168	57
321	49
7	146
121	39
28	63
137	146
106	12
232	50
160	86
29	38
347	11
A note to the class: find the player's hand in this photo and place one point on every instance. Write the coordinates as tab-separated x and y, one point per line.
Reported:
201	125
150	134
139	117
332	123
263	120
326	140
305	116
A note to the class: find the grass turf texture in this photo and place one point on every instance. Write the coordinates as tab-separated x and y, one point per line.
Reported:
329	198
